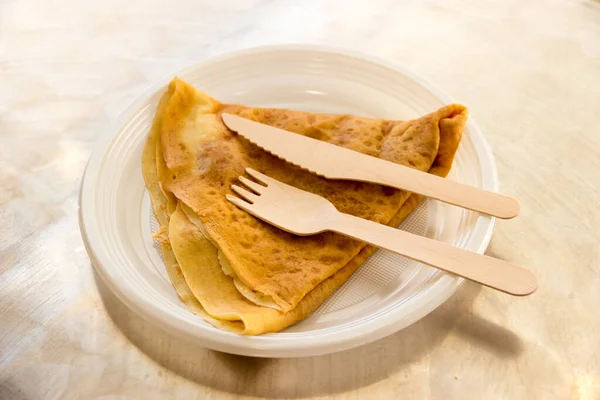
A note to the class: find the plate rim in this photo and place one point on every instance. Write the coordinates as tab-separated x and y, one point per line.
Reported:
261	346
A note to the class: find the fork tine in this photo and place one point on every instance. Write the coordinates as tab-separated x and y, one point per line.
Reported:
251	184
245	194
260	177
244	205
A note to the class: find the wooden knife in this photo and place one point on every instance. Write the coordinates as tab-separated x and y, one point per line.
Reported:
335	162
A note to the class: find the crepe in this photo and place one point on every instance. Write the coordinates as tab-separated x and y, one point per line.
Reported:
238	272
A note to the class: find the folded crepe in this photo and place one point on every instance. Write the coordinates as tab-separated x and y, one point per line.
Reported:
242	274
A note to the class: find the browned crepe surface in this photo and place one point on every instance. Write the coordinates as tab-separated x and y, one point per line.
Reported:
201	158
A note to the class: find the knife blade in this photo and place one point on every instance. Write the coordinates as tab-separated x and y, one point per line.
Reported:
335	162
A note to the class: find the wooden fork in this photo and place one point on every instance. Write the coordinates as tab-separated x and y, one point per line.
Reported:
304	213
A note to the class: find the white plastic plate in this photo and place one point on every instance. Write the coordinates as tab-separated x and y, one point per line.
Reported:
386	294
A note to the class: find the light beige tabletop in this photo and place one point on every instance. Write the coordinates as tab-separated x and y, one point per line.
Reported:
528	71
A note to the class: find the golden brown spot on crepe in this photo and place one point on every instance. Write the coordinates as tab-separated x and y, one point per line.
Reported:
388	191
327	259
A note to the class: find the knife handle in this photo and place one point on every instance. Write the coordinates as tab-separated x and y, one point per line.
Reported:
435	187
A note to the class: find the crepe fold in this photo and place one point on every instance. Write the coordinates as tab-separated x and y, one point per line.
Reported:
244	275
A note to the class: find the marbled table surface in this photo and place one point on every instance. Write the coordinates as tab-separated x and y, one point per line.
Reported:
530	74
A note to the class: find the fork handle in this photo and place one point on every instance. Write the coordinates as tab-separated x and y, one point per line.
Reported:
492	272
